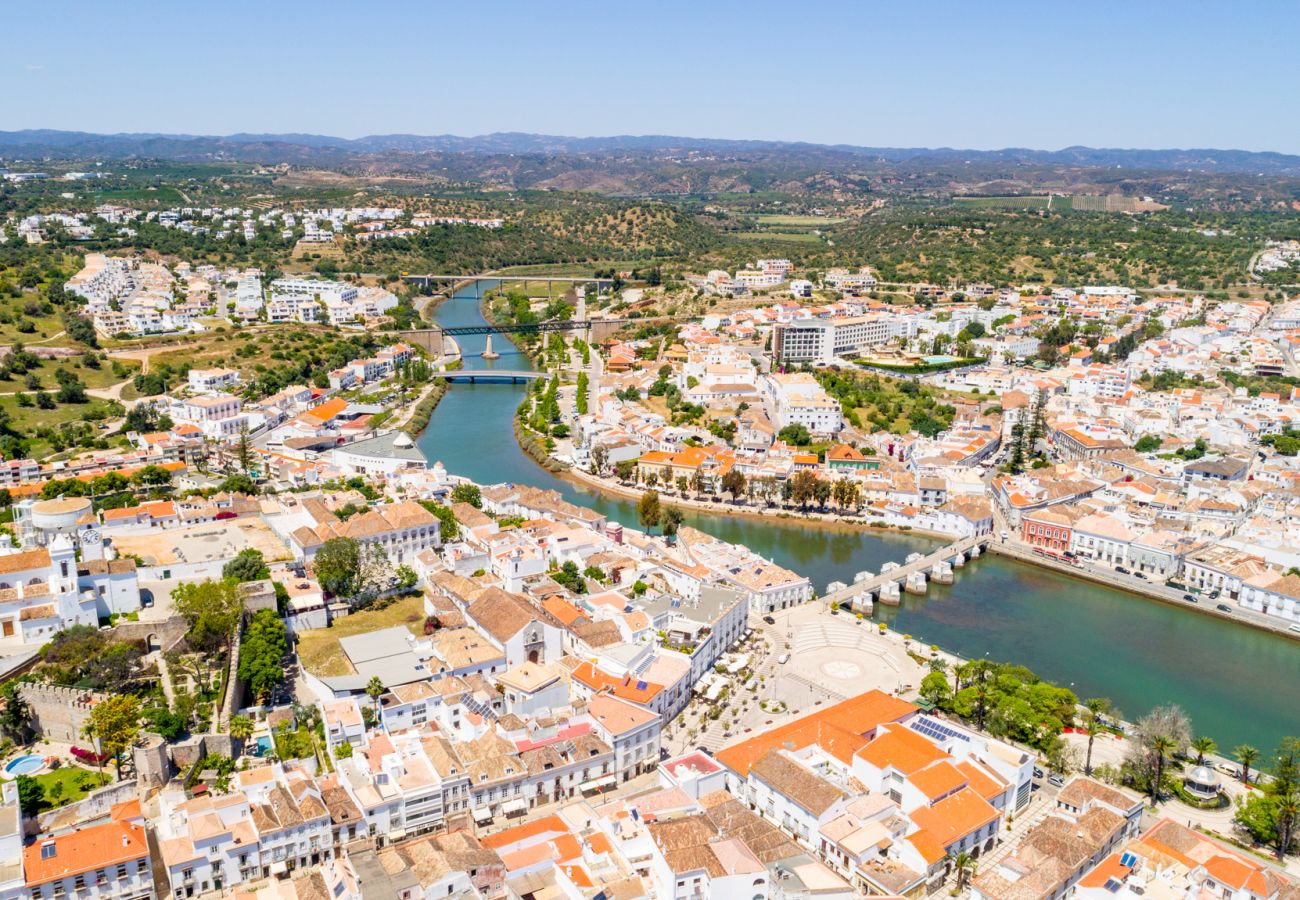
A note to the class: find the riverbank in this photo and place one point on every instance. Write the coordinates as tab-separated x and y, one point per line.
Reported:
828	521
1148	592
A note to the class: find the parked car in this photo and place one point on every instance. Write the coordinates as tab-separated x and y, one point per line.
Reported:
1223	607
1139	575
1056	780
1121	570
1189	598
1038	773
769	620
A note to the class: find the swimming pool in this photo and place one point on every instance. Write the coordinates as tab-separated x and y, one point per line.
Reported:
25	765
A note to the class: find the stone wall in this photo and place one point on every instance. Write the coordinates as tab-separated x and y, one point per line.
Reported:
59	713
170	632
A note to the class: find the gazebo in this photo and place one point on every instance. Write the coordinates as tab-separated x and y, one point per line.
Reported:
1202	783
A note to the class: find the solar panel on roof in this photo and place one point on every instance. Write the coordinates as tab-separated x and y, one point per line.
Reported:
1128	860
1113	885
935	730
641	685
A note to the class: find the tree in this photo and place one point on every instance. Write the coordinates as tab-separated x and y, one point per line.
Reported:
241	728
803	487
337	565
467	493
647	510
1162	746
670	520
115	724
935	690
154	476
31	796
624	469
375	690
15	717
1097	707
238	484
1148	443
964	865
1203	746
1246	755
211	608
734	483
796	434
1155	737
248	565
261	654
1272	814
244	451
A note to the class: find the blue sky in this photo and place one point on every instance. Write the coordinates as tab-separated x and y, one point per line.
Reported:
972	75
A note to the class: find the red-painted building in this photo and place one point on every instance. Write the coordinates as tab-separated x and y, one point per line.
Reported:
1047	529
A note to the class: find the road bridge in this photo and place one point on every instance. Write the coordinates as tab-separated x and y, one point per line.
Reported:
924	568
489	376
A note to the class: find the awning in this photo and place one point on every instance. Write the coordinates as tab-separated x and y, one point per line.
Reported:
514	807
482	814
596	784
279	868
397	834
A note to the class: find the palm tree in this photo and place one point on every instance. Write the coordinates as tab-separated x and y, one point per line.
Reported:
1097	707
1162	745
375	690
1203	747
1246	755
241	728
964	865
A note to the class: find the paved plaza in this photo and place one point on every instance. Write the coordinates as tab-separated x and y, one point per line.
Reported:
831	657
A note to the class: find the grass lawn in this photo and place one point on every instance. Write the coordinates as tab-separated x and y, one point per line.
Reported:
70	783
319	649
26	417
812	221
789	237
92	378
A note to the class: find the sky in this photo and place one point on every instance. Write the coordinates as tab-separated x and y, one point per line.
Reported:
904	73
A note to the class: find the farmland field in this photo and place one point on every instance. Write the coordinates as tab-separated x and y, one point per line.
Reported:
798	221
797	237
1026	202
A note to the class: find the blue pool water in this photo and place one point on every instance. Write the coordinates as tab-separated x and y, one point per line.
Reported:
264	744
25	765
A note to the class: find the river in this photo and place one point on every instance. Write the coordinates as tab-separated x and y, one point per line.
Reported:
1238	684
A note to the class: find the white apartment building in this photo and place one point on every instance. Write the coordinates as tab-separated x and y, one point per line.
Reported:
798	399
844	280
326	291
207	380
822	340
755	278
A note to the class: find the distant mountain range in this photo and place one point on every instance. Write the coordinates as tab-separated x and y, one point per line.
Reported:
315	149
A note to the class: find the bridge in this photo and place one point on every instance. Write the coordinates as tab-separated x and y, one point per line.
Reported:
911	575
492	376
516	328
428	282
